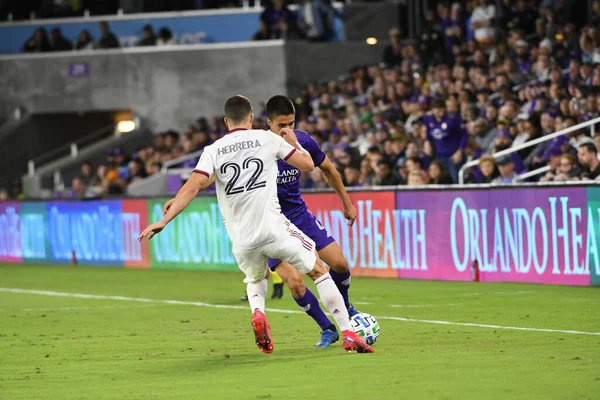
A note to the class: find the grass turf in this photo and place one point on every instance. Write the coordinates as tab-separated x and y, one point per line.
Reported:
78	348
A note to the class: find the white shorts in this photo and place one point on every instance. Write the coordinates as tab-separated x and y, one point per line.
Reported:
294	247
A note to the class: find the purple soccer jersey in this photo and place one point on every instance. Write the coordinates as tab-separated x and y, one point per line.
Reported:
290	199
288	179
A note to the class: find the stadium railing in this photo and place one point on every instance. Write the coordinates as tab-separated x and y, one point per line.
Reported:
591	124
166	180
181	159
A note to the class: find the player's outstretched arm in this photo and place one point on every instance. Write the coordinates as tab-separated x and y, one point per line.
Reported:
301	158
186	194
168	204
335	181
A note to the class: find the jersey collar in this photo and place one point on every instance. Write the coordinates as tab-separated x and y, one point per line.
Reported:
236	129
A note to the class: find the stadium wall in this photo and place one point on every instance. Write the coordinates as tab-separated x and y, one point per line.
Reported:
168	86
536	235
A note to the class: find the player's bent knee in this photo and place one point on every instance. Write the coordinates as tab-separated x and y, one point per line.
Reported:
340	266
318	271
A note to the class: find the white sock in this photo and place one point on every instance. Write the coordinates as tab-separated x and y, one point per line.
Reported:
333	301
257	293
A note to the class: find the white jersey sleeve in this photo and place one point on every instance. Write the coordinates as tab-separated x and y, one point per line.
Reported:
206	163
283	149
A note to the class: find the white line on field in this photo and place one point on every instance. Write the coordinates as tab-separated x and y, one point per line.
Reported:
84	308
73	308
362	303
200	304
424	305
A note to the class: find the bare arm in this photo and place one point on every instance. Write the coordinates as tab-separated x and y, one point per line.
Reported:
335	181
186	194
168	204
300	158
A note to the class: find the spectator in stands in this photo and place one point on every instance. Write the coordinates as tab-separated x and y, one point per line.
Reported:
262	33
487	166
507	171
384	175
482	23
81	191
58	42
107	40
438	175
165	37
595	17
415	178
155	168
588	45
277	21
553	161
567	169
315	20
446	138
352	176
523	18
392	54
3	194
38	42
148	36
588	157
85	41
87	173
137	170
450	25
430	43
112	183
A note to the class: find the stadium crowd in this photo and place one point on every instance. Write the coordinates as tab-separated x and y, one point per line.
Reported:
479	80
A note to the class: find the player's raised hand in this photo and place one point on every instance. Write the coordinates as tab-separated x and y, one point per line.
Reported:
350	214
167	206
288	135
152	230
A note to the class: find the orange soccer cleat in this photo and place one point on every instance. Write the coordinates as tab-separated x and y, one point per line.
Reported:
261	332
353	342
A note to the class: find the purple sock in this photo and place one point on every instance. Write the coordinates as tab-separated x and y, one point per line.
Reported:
342	281
310	305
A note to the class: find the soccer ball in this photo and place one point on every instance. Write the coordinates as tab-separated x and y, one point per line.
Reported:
365	326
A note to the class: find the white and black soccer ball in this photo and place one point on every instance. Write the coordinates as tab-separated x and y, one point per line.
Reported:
365	326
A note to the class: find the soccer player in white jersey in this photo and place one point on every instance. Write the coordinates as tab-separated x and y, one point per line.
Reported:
244	166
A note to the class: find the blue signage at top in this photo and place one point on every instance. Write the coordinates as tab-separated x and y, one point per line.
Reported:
217	26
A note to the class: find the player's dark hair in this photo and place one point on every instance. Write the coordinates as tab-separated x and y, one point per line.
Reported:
279	105
237	109
590	147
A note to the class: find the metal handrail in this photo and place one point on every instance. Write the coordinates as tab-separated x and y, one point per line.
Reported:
71	149
535	172
592	122
181	159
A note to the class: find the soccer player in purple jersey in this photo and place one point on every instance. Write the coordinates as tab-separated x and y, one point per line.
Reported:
282	114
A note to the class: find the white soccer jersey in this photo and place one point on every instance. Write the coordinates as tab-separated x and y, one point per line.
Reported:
245	165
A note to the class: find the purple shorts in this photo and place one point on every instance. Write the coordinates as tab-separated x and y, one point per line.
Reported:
312	228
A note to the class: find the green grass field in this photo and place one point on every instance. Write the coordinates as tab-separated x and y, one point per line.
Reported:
64	347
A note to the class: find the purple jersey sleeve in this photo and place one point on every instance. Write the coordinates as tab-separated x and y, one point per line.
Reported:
311	146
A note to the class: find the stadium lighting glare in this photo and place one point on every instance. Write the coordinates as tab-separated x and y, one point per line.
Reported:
371	41
126	126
